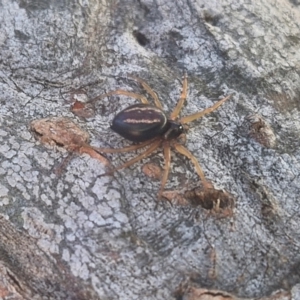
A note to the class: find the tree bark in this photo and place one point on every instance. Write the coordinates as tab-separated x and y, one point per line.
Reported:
69	232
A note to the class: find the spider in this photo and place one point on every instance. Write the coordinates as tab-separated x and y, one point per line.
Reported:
149	126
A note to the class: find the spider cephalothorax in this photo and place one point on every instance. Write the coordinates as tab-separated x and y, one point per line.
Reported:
150	126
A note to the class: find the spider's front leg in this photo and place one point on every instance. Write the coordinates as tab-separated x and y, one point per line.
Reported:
204	112
90	150
181	100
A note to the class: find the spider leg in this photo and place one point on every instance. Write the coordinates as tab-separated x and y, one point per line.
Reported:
142	98
124	149
167	156
206	111
182	150
146	153
149	90
181	100
94	154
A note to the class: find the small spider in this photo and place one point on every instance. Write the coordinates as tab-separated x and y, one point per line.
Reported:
149	126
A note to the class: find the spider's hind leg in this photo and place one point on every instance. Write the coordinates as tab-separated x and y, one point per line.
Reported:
149	90
124	149
167	156
139	97
141	156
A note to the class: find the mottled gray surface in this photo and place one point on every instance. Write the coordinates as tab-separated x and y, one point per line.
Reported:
109	232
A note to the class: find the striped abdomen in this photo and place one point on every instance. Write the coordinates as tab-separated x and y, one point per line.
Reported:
140	122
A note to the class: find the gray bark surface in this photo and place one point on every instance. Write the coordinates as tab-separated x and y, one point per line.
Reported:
68	233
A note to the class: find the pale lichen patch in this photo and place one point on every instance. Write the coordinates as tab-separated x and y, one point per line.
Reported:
81	219
71	237
79	269
66	255
104	210
46	200
121	218
10	154
3	191
111	196
4	148
72	209
3	133
4	201
49	235
69	222
2	171
87	202
99	187
97	218
12	180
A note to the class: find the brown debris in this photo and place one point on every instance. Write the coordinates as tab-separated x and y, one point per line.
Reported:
80	106
261	131
204	294
152	170
175	197
83	110
216	201
189	292
59	131
186	292
63	132
210	199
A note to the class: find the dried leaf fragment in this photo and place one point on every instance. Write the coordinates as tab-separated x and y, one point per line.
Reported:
59	131
65	133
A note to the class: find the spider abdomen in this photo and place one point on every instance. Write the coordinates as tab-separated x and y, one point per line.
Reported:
140	122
